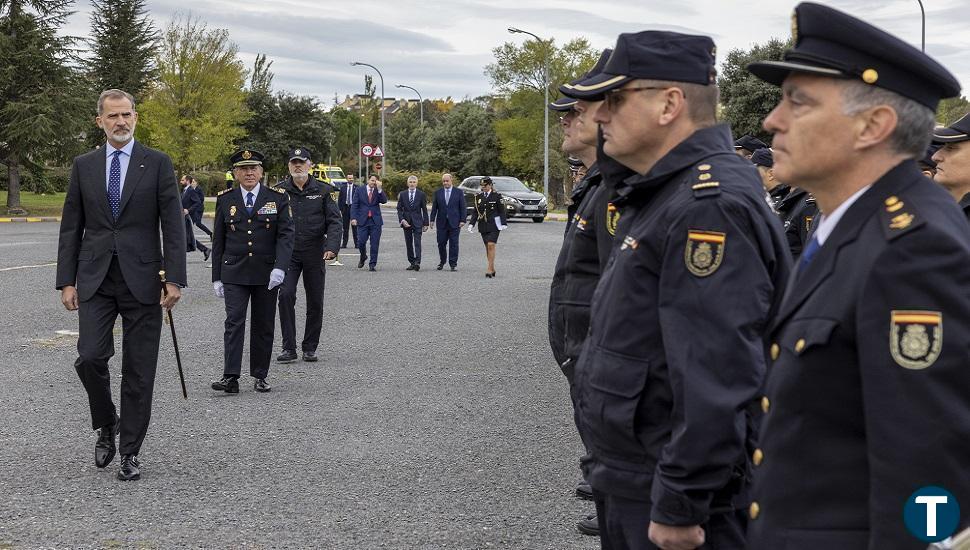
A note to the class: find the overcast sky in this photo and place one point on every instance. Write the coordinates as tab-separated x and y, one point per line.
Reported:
441	47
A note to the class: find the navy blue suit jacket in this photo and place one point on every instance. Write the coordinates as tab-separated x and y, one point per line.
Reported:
451	214
417	214
360	207
345	188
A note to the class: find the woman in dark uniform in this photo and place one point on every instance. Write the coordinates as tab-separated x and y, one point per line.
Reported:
488	206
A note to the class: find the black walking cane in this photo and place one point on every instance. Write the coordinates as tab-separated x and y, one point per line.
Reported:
171	324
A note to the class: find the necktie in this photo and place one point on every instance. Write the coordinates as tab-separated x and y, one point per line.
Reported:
807	254
350	191
114	185
370	194
249	202
447	195
411	199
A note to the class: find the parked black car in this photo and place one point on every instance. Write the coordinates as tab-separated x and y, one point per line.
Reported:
520	201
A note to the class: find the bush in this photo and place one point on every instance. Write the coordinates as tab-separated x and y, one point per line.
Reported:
52	180
395	182
210	181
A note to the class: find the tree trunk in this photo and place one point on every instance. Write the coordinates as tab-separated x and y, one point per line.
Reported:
13	187
557	196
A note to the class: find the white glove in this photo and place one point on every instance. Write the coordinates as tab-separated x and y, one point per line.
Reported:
220	290
471	228
276	278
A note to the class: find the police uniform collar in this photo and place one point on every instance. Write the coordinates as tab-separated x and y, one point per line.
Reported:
701	144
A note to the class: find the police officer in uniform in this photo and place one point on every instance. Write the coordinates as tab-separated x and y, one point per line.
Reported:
251	246
953	161
746	145
674	357
316	218
586	246
866	395
796	207
488	209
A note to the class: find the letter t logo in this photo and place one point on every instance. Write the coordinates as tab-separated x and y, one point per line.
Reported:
931	502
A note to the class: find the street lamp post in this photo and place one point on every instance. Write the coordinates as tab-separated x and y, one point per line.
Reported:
384	149
923	11
420	100
545	110
360	159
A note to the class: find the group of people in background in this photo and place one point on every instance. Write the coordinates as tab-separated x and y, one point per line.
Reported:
752	335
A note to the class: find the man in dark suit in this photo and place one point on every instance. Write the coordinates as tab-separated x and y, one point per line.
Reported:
448	213
193	203
346	199
108	258
251	251
412	214
365	215
865	401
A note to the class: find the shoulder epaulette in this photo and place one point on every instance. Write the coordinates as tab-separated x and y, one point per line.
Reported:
898	218
703	185
278	190
224	191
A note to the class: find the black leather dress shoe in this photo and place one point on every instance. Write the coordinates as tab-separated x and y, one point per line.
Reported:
417	267
288	356
454	268
104	448
228	384
129	468
372	268
363	258
205	255
261	386
310	356
409	268
441	266
584	491
589	525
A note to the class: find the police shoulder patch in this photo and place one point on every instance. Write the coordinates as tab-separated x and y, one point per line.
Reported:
704	251
915	338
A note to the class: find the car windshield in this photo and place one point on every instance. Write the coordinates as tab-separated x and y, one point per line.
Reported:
507	184
335	175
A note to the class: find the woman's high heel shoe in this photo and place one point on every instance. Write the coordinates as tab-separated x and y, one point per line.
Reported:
489	275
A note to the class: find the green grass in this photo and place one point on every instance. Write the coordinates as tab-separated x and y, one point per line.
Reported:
36	205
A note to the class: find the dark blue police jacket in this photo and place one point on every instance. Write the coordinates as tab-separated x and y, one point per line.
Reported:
676	354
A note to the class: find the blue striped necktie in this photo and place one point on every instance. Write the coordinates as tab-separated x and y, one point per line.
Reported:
249	202
807	254
114	185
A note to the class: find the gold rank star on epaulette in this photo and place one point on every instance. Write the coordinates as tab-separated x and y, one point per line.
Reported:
278	190
898	218
704	186
224	191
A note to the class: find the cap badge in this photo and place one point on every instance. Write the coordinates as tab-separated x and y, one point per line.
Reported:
298	152
247	155
870	76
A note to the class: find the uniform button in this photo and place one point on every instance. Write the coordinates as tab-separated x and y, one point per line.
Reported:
249	232
799	345
754	510
250	221
765	404
250	253
757	457
775	352
250	243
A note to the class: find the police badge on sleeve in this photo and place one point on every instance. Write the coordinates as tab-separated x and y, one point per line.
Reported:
704	252
916	338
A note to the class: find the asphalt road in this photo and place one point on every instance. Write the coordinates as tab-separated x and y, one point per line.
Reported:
436	419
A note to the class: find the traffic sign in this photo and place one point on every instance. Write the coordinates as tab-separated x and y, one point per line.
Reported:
378	152
367	150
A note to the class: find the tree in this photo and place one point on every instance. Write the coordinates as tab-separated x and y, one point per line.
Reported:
464	142
952	110
746	99
40	107
124	43
196	109
518	73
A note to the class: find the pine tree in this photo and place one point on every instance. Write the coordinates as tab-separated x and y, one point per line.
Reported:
40	103
124	43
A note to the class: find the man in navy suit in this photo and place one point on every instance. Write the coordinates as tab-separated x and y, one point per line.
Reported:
412	214
365	215
193	204
345	199
450	204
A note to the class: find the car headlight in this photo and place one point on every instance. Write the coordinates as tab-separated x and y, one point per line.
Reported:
543	202
510	200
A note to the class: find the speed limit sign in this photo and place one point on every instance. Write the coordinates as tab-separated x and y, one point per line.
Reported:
367	150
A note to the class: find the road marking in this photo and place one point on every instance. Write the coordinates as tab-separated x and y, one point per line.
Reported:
26	267
25	243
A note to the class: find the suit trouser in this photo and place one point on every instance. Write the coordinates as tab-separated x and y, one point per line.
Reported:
448	235
372	232
141	328
197	221
238	298
314	280
192	242
348	229
412	241
624	525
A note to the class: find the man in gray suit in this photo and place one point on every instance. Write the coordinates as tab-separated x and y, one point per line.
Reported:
108	258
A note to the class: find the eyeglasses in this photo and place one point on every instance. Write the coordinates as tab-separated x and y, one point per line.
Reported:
568	116
614	98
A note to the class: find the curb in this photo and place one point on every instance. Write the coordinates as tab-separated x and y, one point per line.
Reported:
31	219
